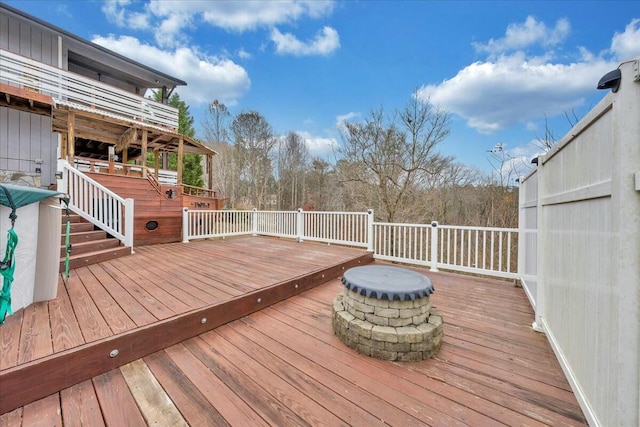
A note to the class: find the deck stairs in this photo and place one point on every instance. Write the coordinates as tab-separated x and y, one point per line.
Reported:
88	245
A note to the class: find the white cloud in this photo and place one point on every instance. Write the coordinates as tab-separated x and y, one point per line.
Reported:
208	77
169	18
324	43
116	12
346	117
243	16
528	33
319	146
243	54
627	44
512	87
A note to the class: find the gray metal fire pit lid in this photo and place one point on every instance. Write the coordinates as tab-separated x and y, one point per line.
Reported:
386	282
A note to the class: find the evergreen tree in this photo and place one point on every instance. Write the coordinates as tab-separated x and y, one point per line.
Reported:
191	164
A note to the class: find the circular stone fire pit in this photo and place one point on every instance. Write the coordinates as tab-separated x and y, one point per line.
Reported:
384	312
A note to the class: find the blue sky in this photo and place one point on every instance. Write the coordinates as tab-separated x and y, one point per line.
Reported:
499	67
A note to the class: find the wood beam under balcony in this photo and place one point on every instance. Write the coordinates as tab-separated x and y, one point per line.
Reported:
25	100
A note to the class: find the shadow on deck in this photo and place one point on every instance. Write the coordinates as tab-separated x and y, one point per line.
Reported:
208	347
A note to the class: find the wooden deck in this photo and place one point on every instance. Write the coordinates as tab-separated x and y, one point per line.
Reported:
280	365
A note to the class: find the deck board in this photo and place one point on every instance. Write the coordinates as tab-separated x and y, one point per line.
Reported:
282	365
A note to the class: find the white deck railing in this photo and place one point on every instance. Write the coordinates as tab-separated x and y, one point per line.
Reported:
81	92
97	204
480	250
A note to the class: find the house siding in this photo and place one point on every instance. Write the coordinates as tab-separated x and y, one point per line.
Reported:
26	138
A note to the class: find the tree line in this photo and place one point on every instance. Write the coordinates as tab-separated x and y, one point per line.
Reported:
388	162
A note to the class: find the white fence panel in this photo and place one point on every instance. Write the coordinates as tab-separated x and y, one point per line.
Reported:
347	228
408	243
205	224
588	271
479	250
276	223
528	236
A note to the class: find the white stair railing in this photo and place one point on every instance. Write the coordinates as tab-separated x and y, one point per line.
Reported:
96	203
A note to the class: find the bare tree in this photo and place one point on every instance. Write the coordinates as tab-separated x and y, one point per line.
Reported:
254	143
216	123
225	172
293	160
321	185
392	159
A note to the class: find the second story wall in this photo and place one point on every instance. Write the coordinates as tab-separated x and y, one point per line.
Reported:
28	39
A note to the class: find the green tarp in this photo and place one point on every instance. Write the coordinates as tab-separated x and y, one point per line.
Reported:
23	196
15	197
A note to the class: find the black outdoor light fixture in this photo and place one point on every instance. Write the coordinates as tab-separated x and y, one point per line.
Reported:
611	80
171	193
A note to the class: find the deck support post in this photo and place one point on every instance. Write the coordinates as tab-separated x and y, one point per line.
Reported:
180	155
434	246
71	136
210	171
156	163
143	154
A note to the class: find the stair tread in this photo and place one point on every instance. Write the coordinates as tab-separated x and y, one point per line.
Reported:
99	252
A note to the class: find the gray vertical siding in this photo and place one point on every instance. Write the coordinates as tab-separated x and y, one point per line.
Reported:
26	137
28	39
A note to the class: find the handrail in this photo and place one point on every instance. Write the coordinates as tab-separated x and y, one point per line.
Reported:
191	190
154	182
85	164
481	250
81	92
96	203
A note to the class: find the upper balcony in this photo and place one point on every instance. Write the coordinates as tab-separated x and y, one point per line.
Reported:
78	92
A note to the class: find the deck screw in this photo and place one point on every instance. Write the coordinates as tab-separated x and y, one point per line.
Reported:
203	320
259	300
295	286
323	276
114	353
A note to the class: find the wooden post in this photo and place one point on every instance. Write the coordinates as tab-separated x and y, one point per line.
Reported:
156	164
210	171
112	153
143	152
63	146
71	136
180	154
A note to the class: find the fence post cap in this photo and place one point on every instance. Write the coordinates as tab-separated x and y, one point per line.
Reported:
434	223
299	209
185	209
370	211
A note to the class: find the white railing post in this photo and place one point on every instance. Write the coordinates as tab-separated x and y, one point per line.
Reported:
128	223
434	246
370	246
62	176
299	225
185	225
254	222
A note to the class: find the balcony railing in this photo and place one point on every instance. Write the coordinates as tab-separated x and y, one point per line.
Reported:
74	90
480	250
